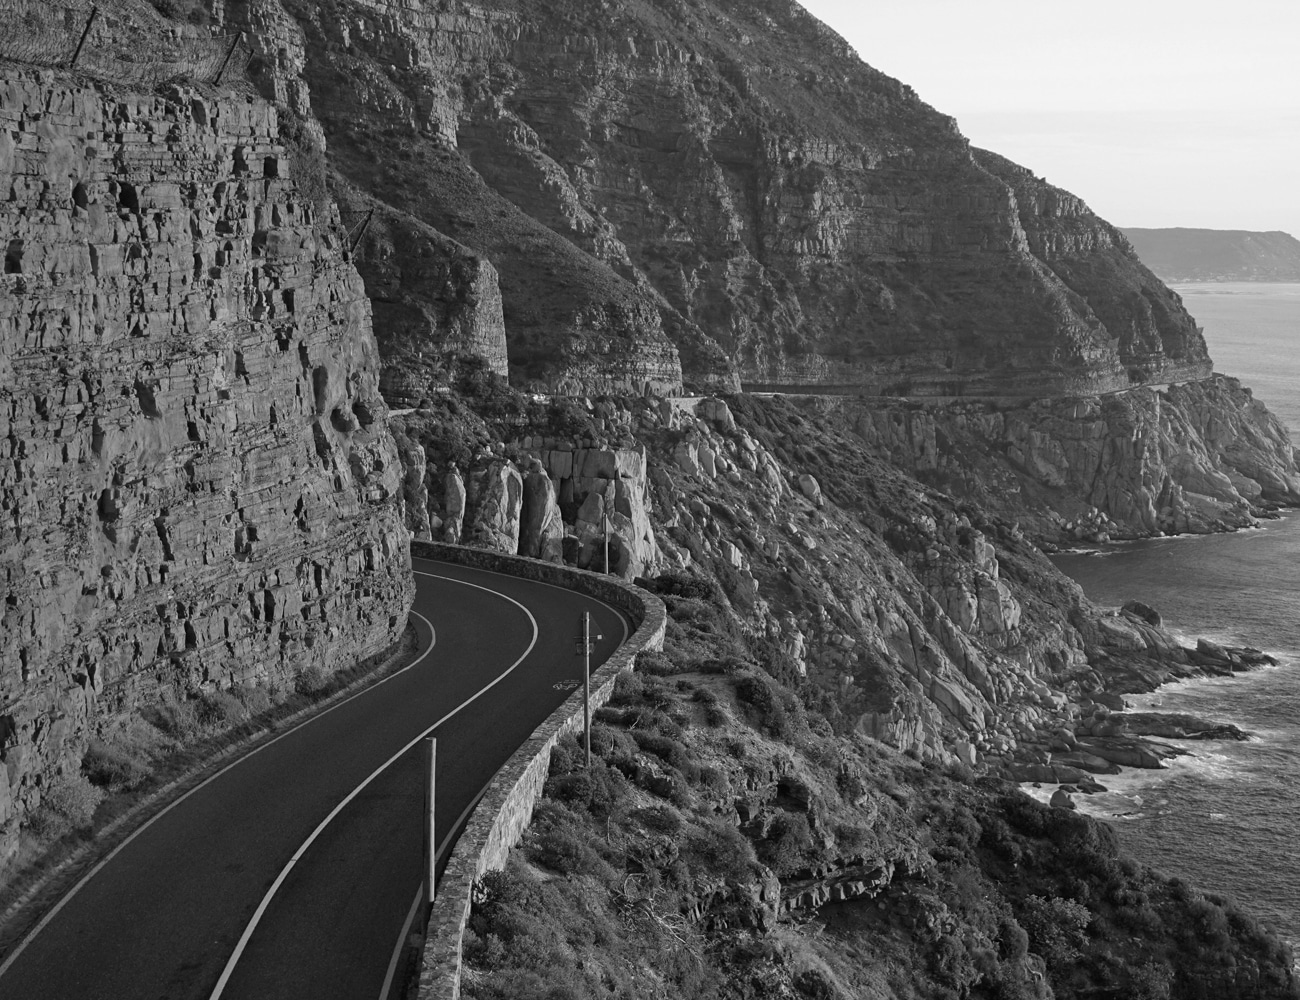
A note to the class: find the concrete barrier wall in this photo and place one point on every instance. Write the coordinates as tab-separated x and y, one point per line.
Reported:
499	821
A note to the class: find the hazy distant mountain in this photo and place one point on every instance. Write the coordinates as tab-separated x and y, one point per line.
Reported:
1217	254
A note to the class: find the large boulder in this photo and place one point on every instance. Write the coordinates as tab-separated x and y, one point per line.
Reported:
541	532
495	501
454	506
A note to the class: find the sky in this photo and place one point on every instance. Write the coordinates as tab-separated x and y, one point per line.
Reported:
1157	113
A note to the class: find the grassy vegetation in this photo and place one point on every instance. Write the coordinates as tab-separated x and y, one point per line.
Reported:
715	787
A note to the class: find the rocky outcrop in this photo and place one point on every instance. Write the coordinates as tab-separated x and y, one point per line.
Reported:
434	300
1196	457
199	485
541	535
493	504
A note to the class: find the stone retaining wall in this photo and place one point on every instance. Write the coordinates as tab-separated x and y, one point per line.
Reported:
506	808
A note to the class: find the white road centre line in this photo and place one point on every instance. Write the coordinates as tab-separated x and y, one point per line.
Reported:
284	873
81	883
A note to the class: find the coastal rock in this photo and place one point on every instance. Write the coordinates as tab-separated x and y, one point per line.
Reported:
1144	612
1198	456
1129	751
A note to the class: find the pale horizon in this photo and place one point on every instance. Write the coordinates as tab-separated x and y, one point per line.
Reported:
1156	117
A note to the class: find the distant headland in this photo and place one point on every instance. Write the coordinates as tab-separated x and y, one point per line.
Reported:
1217	254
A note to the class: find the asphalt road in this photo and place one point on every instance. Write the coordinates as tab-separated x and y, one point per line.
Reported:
162	920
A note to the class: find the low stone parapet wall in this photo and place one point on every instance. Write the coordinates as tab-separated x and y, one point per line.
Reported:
507	806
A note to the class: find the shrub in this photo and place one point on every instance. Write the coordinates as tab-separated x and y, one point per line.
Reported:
769	705
655	663
665	748
255	698
1151	981
563	843
1055	927
678	583
719	848
596	790
176	716
659	819
69	803
219	709
311	682
113	767
788	845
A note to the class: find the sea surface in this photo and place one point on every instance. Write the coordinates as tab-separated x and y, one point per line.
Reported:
1253	331
1226	817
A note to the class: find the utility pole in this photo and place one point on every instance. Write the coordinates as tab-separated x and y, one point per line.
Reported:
585	642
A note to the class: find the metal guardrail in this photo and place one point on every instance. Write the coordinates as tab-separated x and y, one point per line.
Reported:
122	41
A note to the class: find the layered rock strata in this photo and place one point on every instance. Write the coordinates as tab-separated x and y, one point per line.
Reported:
1196	457
669	191
198	482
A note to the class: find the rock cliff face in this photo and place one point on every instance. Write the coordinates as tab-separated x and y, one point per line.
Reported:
198	482
708	191
1202	456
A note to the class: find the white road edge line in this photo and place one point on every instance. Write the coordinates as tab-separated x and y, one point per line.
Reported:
419	892
401	942
284	873
81	883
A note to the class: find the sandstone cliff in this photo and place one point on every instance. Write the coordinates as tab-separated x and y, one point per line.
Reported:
1197	457
706	192
198	483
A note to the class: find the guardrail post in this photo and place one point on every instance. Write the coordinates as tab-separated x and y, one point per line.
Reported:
90	22
430	830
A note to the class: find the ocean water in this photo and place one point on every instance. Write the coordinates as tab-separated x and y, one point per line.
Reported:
1253	331
1227	816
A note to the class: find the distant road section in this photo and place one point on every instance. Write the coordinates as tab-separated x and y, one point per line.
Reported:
1217	254
163	918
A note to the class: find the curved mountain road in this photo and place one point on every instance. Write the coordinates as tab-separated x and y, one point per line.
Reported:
162	919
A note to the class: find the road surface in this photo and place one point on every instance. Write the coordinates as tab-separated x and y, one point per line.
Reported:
185	910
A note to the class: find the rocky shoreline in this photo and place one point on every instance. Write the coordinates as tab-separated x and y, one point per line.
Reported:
1108	737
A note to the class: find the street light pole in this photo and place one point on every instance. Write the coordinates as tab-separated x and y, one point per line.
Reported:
586	685
585	642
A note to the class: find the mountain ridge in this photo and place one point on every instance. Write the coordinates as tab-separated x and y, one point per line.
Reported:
1190	254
